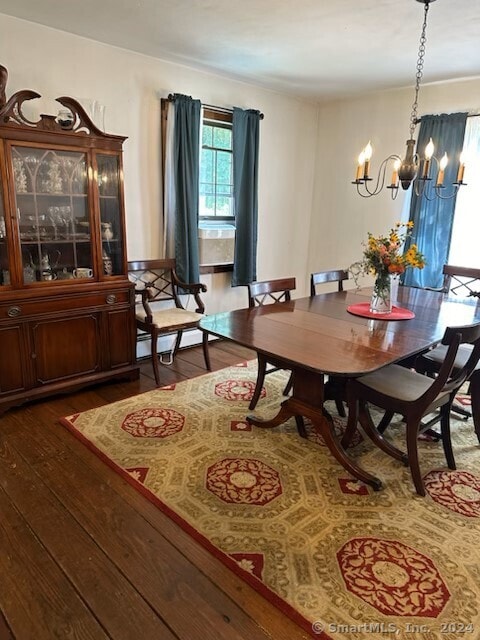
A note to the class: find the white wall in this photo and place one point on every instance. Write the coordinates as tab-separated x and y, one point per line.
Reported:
130	86
340	217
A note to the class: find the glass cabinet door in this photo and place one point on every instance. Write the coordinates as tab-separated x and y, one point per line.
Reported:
4	263
51	194
110	214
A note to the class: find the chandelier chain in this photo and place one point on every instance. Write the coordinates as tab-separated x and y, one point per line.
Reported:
419	74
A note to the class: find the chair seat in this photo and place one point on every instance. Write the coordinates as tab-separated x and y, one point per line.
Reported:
173	317
398	382
437	355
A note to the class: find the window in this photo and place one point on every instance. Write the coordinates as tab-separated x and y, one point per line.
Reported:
216	167
466	223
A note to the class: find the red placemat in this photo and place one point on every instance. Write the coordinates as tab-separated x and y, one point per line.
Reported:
363	309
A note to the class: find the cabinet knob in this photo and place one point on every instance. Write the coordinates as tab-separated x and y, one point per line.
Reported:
111	298
13	312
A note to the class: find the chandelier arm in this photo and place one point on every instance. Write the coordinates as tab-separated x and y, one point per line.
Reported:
380	179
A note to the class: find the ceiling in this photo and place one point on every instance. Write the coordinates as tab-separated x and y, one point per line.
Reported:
317	49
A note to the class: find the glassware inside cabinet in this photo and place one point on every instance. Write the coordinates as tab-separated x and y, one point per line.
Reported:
51	191
108	179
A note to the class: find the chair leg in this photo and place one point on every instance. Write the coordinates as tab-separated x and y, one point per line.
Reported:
156	368
340	408
446	439
206	353
178	340
385	421
475	398
352	421
262	367
412	449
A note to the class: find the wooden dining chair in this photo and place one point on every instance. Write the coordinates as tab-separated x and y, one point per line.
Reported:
323	277
260	294
334	386
413	395
160	311
461	282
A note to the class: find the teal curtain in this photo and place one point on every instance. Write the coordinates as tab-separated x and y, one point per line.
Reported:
245	143
433	219
186	159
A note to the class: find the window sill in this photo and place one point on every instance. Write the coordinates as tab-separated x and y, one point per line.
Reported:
215	268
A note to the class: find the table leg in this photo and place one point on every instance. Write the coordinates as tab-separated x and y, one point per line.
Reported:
307	401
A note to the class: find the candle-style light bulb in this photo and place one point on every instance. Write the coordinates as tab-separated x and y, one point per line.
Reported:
441	173
396	167
361	162
461	167
368	155
429	149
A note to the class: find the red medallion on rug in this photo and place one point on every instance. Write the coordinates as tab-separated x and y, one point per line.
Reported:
459	491
392	577
243	481
153	423
237	390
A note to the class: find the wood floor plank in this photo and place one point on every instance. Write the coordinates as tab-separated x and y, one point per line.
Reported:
88	569
35	593
164	577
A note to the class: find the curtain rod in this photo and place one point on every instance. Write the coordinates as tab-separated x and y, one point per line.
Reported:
213	107
469	115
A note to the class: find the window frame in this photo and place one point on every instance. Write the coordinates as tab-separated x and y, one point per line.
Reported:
220	119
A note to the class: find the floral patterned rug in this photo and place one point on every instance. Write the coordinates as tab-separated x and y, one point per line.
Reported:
344	561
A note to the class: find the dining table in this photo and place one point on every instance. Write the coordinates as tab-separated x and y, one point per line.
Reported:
319	338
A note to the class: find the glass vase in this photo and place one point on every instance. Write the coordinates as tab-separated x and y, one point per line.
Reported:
381	301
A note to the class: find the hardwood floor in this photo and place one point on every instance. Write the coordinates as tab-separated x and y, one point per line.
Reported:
85	556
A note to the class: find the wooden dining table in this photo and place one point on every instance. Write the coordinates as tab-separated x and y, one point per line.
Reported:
317	337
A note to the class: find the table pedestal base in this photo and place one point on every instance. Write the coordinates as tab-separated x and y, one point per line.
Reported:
307	401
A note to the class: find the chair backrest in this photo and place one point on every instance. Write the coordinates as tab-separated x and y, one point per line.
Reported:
158	276
321	277
461	281
448	378
469	334
270	291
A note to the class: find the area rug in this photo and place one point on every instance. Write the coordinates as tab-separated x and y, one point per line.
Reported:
345	562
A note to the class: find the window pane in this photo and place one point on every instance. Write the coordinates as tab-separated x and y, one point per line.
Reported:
224	189
206	166
207	135
222	138
224	206
207	188
224	167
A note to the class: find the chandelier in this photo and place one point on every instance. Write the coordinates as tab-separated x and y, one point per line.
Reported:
412	168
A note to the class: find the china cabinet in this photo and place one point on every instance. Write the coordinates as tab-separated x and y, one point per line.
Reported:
66	305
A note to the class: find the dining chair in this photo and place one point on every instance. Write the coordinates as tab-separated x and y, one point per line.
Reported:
413	395
160	311
260	294
334	386
323	277
462	282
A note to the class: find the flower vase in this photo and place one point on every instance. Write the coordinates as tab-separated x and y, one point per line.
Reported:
381	301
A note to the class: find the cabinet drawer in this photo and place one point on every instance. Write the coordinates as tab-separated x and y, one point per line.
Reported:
28	308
